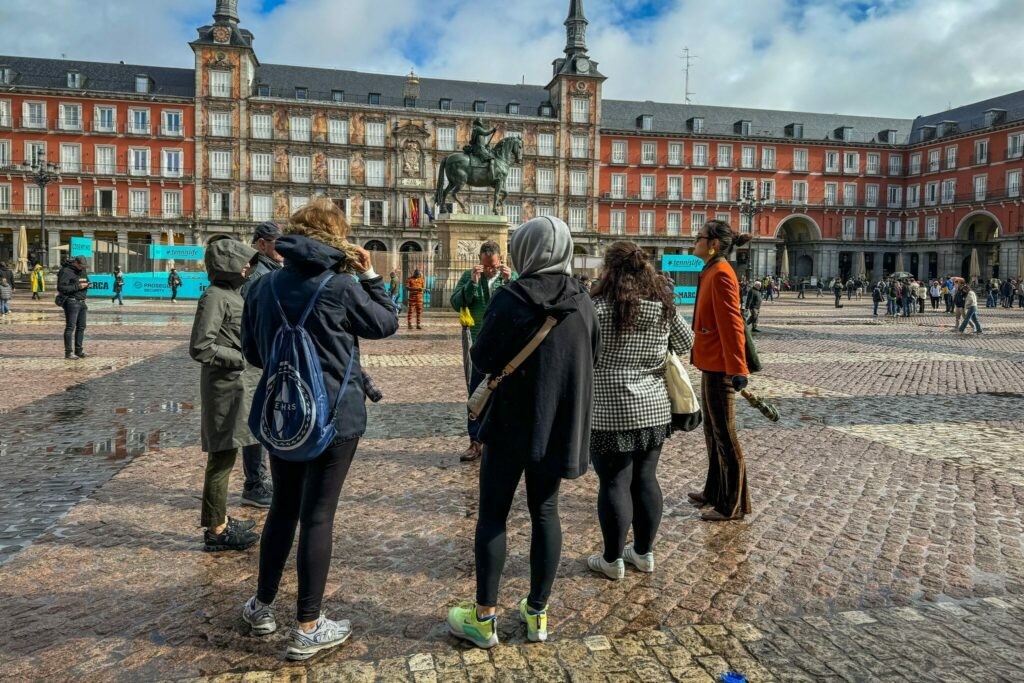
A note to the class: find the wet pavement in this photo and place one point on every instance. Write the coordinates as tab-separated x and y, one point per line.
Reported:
886	543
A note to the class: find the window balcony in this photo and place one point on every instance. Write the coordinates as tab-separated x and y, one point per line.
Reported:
172	131
73	124
139	129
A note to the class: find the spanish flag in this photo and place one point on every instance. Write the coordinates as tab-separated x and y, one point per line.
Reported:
414	213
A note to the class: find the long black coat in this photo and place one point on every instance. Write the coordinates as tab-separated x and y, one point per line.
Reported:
541	412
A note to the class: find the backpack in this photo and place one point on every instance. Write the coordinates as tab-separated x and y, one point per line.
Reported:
291	414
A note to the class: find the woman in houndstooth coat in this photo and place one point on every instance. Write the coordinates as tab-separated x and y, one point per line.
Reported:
632	415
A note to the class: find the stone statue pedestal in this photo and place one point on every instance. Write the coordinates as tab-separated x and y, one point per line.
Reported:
459	236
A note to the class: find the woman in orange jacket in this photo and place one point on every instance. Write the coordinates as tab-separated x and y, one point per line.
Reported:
719	351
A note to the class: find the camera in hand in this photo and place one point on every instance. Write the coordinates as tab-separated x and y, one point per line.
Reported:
371	390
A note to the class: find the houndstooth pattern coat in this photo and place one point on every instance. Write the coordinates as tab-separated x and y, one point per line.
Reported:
629	380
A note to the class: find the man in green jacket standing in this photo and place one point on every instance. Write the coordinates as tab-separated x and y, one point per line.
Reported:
474	291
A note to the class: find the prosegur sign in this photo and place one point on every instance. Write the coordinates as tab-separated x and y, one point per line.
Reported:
149	285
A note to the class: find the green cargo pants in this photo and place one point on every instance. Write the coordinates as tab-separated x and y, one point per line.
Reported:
215	487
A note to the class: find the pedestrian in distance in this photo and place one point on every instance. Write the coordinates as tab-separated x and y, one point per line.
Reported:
257	488
970	311
473	292
6	272
118	287
837	291
6	292
537	423
922	294
352	303
719	351
876	299
960	303
72	288
753	306
224	390
935	293
415	286
174	282
395	290
38	281
632	417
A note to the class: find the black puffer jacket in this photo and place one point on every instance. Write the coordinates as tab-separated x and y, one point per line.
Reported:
69	278
347	309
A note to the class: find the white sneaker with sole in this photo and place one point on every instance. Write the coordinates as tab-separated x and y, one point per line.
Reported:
613	570
644	563
260	617
325	635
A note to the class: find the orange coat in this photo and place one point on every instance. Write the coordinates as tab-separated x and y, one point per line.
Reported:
719	343
415	287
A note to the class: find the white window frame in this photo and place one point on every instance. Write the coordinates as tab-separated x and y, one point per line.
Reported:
33	198
951	157
915	164
375	179
5	154
699	188
832	160
895	164
102	167
300	168
514	180
934	159
446	138
375	133
873	163
136	127
220	124
32	119
673	223
850	194
337	131
98	113
337	171
620	152
767	190
723	189
723	156
800	160
514	213
578	183
697	221
676	150
64	122
871	229
5	198
577	219
981	151
931	193
261	166
617	187
133	167
1013	182
851	162
931	227
913	196
768	159
175	203
894	197
578	147
70	200
648	187
849	228
893	230
546	144
67	163
674	188
545	181
831	196
257	212
170	131
910	231
138	202
580	110
748	157
261	126
980	188
649	153
220	83
617	222
700	154
646	225
949	190
300	128
1015	145
218	168
166	170
799	193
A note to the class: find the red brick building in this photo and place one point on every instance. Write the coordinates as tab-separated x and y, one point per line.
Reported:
122	139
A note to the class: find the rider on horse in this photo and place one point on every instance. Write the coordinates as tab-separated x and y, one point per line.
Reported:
479	146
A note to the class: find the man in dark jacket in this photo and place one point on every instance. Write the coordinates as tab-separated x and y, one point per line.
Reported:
174	282
73	284
837	290
258	489
753	305
6	272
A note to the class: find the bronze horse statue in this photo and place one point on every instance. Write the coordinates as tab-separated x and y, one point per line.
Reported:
461	169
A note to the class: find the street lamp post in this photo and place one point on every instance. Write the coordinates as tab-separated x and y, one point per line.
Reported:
751	206
42	173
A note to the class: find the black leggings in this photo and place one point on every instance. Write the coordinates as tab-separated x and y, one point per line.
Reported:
500	473
629	494
306	493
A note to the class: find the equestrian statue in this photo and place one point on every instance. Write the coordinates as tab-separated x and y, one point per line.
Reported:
478	165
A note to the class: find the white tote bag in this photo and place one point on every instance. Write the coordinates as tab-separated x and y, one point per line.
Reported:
685	406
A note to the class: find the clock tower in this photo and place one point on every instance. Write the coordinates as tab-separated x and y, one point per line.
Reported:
575	93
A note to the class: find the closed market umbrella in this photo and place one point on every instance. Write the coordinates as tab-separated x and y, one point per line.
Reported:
784	269
862	267
1020	262
23	266
899	263
975	270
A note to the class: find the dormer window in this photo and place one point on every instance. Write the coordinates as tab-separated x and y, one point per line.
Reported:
888	136
6	75
337	95
696	124
742	128
373	98
142	84
926	133
645	122
302	93
947	128
74	79
844	133
512	108
262	90
409	101
795	130
480	106
993	117
445	104
545	110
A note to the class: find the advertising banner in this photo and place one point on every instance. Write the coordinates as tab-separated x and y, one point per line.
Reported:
149	285
167	252
681	263
685	294
81	246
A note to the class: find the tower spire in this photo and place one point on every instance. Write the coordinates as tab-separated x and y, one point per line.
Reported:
226	12
576	29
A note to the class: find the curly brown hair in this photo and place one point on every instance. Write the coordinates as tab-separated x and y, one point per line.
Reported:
627	279
322	220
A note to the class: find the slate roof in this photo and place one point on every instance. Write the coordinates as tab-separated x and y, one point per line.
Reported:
672	118
357	85
51	74
972	116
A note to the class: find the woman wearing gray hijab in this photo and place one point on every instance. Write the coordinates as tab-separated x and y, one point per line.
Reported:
537	422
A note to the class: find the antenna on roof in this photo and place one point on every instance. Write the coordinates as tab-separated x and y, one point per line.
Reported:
687	62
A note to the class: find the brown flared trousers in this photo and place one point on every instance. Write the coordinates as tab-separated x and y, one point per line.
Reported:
726	486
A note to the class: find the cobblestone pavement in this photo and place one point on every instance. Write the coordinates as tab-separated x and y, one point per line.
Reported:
886	543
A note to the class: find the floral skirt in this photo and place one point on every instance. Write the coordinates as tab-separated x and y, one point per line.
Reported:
628	441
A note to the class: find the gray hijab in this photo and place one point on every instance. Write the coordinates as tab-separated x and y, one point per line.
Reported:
542	245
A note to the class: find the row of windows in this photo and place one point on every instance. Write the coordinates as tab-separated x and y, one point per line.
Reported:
136	161
69	117
74	79
70	202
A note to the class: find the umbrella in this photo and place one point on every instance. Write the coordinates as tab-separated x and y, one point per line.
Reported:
170	243
1020	262
862	267
975	271
784	269
899	263
22	250
902	274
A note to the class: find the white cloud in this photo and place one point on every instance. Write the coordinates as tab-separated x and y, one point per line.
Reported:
905	58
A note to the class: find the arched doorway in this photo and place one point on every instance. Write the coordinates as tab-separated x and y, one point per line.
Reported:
799	236
375	245
978	231
410	247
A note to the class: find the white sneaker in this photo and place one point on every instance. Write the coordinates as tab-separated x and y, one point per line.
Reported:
326	634
613	570
260	617
644	563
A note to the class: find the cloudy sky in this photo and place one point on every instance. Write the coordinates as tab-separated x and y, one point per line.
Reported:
869	57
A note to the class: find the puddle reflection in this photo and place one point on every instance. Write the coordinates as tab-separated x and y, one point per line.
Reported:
126	443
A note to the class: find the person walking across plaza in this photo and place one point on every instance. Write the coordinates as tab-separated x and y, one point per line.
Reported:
174	282
415	286
395	289
753	306
72	287
118	296
224	392
536	424
474	291
935	293
837	291
719	351
258	489
970	311
6	293
632	415
960	302
876	298
351	305
37	278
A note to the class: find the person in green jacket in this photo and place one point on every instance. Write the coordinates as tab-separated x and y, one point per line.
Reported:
474	291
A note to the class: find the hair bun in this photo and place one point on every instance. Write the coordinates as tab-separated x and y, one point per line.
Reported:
740	239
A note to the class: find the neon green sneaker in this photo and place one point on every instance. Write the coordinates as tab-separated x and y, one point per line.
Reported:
462	622
536	624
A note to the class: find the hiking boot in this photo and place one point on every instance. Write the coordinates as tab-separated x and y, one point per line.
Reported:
232	538
70	356
258	496
613	570
463	623
644	563
242	524
325	635
260	617
472	453
536	622
81	354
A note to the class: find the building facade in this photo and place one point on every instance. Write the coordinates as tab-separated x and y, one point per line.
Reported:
830	194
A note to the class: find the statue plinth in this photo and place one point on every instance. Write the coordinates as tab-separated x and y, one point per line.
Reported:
460	236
